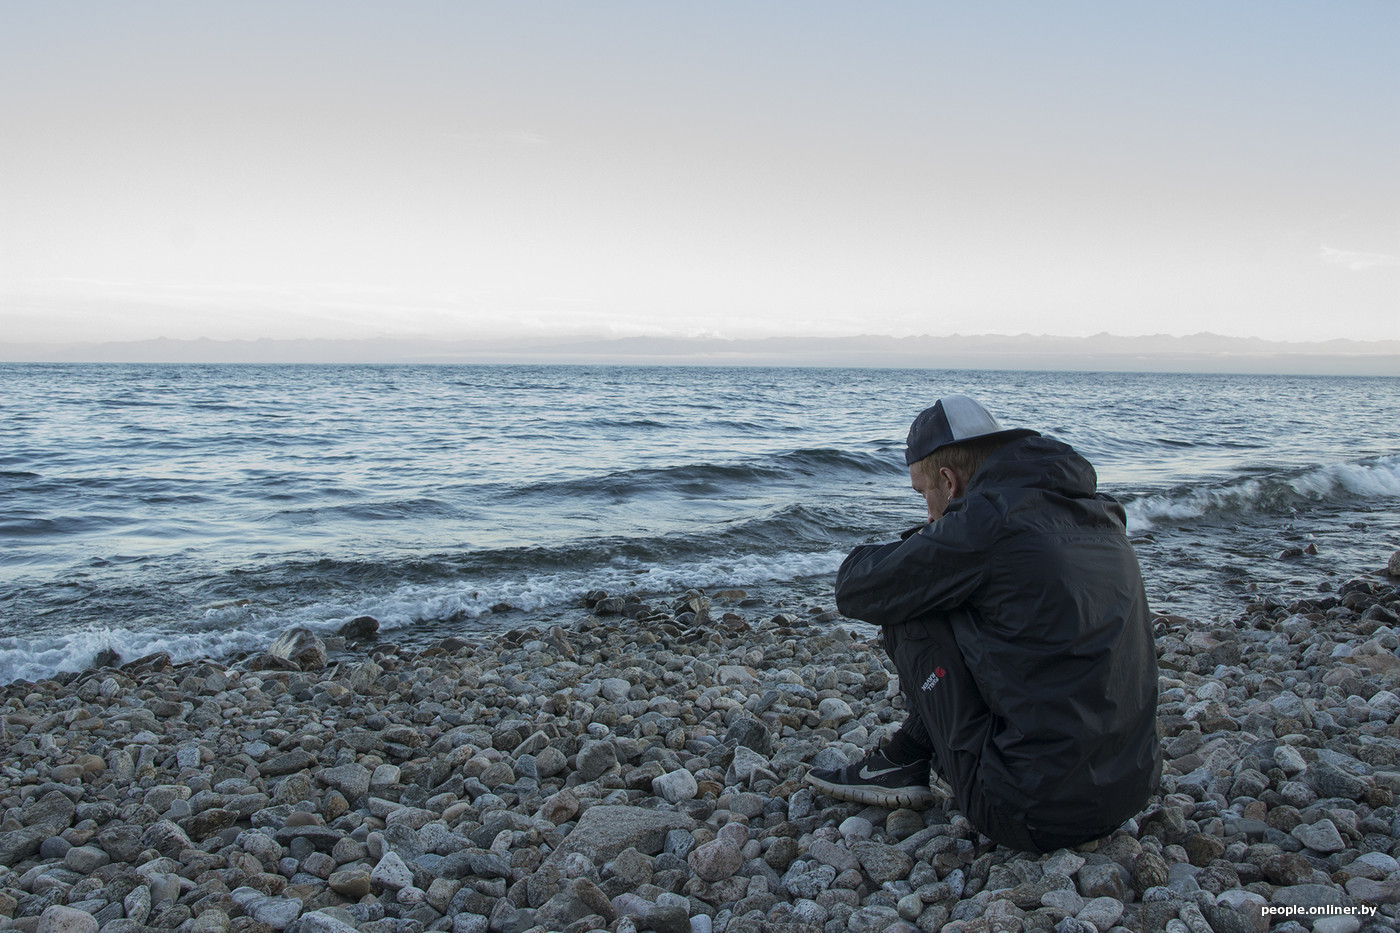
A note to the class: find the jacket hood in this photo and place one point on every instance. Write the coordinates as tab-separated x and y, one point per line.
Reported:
1037	462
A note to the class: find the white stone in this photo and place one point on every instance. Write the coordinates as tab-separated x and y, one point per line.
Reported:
855	828
835	710
676	786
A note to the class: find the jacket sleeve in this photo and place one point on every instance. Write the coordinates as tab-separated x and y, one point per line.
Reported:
936	569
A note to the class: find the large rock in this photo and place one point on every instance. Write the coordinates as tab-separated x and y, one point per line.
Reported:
302	647
19	844
675	786
716	860
1321	836
750	733
883	863
353	780
595	759
1393	568
486	863
391	873
166	838
359	628
51	814
604	831
57	919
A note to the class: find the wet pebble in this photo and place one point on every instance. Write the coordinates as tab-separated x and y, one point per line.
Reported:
658	757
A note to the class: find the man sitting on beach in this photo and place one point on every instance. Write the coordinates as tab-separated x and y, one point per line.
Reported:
1017	621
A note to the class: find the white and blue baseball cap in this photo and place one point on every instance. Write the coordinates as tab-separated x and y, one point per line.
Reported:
952	420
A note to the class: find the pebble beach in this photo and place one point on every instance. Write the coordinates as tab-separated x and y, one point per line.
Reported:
642	770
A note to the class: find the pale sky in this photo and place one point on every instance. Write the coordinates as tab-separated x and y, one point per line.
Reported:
348	169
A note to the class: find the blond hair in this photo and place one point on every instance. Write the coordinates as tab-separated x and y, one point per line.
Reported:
964	458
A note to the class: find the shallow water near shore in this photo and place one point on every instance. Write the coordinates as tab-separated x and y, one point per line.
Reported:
203	509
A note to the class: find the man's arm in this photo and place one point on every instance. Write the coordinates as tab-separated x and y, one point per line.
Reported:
935	569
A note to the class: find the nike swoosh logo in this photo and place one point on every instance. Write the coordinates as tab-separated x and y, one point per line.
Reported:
866	774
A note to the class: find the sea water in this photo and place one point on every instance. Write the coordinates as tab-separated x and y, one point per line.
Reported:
202	510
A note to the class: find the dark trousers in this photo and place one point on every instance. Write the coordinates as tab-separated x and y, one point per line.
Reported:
949	721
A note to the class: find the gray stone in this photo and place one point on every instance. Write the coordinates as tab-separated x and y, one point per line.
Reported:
1101	913
1330	781
604	831
298	759
137	904
276	912
302	647
1289	760
549	762
595	759
359	628
716	860
1342	923
883	863
470	923
750	733
485	863
166	838
829	853
59	919
212	920
1237	911
1374	892
1310	896
1373	865
51	814
1101	881
808	879
1321	836
675	786
318	922
1068	901
352	780
17	845
391	872
872	919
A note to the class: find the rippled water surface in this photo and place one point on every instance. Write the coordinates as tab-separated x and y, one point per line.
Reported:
202	509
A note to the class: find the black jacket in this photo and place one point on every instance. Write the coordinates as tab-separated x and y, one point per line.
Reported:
1057	633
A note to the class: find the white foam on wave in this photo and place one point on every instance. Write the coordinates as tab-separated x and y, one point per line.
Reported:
229	629
1373	480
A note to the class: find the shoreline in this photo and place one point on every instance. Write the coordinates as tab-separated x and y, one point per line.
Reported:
643	771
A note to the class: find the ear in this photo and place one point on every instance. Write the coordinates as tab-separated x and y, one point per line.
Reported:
952	483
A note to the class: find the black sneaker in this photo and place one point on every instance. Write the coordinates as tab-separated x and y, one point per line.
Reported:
877	781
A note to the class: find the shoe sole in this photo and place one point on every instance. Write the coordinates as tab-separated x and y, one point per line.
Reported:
915	798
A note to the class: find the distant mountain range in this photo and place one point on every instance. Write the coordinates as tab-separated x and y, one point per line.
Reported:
1102	352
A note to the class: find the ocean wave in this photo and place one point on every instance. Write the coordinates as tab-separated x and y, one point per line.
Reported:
1377	478
466	602
384	511
713	479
